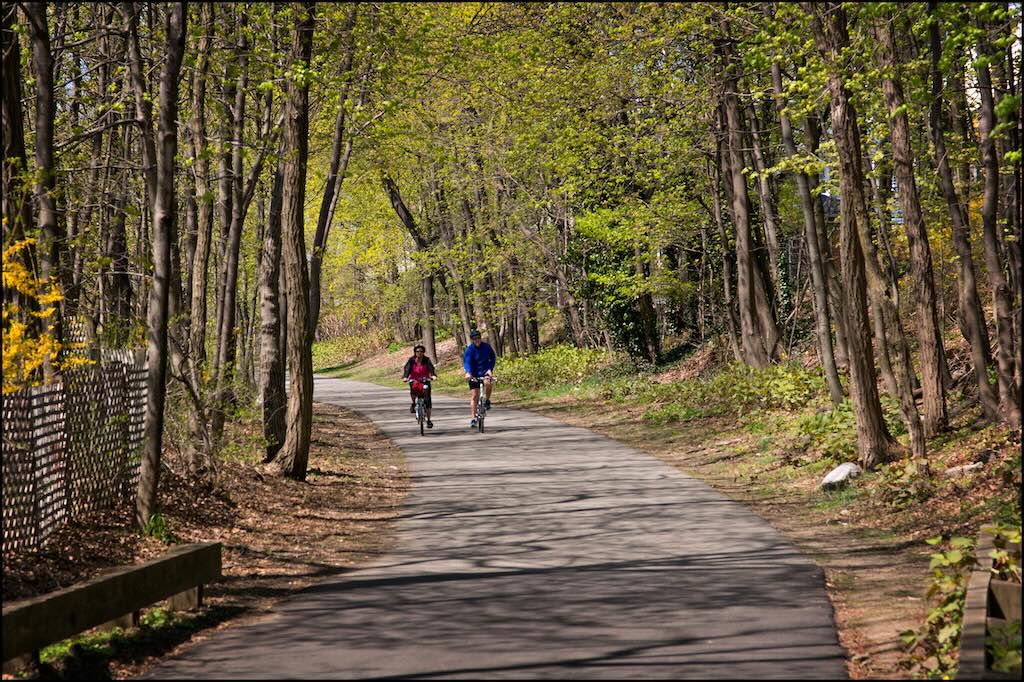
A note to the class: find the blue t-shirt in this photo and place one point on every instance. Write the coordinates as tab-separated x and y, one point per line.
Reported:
479	360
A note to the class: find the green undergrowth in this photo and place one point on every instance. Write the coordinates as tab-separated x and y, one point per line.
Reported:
91	654
344	351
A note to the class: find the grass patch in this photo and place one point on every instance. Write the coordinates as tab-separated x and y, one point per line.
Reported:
832	500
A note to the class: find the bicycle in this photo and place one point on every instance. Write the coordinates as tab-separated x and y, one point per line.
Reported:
481	409
421	407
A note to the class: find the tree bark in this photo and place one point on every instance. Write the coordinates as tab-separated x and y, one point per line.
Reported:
768	213
873	439
49	247
160	175
929	333
822	323
336	173
272	362
1009	395
754	352
294	455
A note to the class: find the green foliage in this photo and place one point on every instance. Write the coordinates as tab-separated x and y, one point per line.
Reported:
932	648
346	349
156	527
563	364
735	390
1004	645
831	433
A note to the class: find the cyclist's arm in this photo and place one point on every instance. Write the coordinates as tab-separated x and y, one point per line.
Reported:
465	361
406	370
492	360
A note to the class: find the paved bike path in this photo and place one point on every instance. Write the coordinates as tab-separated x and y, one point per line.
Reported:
540	550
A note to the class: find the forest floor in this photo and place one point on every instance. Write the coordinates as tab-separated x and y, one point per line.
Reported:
868	538
278	537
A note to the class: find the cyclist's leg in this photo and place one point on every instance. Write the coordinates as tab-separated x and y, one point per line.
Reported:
474	393
412	395
427	402
490	387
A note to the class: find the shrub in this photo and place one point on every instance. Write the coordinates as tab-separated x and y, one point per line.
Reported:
735	390
831	433
563	364
345	349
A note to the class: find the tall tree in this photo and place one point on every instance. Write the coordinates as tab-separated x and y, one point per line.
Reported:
49	247
822	327
294	455
828	25
1009	394
158	157
929	333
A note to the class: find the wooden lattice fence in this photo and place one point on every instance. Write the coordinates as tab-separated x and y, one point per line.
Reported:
71	447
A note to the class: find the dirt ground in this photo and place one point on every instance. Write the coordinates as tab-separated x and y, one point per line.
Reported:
278	536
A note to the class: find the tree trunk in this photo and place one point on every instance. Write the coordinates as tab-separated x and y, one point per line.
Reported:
1009	395
160	176
754	352
929	333
768	213
272	362
294	455
822	323
49	248
731	319
336	173
873	439
972	323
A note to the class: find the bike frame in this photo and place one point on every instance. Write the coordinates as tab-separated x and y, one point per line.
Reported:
421	407
481	411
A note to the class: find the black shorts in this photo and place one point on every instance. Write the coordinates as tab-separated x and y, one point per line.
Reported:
426	396
474	383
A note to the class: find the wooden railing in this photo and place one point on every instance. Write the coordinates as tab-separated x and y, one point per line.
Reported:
991	604
180	574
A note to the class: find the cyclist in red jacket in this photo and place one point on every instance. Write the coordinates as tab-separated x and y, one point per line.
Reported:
419	371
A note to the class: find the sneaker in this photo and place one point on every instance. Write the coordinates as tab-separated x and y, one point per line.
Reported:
430	424
472	423
412	409
487	404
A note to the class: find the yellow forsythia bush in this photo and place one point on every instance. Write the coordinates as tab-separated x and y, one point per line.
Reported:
26	347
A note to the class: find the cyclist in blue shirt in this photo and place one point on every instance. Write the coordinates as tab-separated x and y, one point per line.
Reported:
478	361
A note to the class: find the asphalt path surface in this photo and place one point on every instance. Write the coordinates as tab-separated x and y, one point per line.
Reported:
538	550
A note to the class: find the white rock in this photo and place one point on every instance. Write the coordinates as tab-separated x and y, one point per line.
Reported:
956	472
840	476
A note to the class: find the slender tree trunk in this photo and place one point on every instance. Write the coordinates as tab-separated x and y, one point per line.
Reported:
1009	395
929	333
753	345
972	323
49	247
160	175
873	439
768	213
822	323
199	444
731	318
336	173
423	242
294	455
272	361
